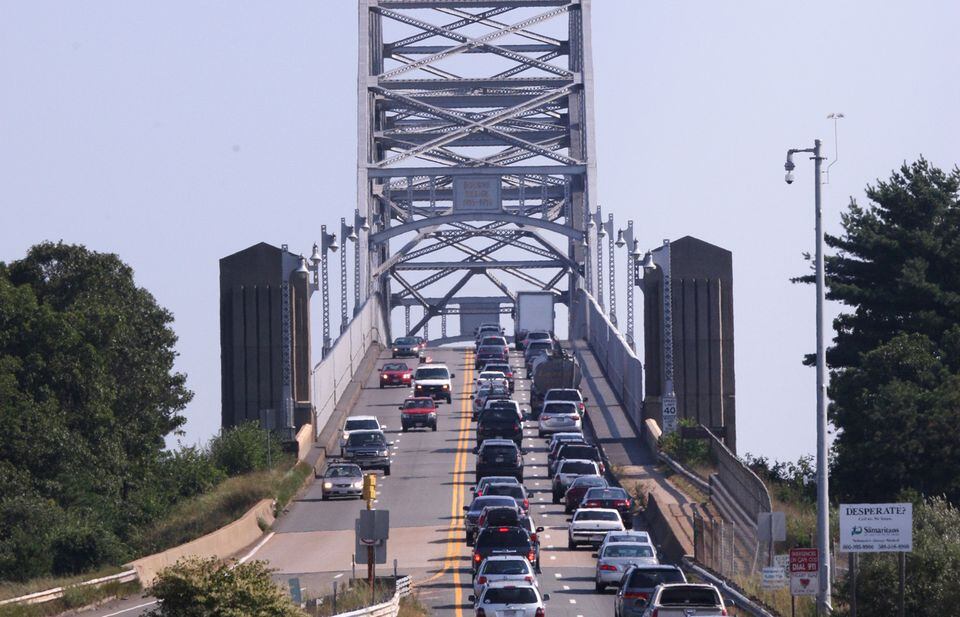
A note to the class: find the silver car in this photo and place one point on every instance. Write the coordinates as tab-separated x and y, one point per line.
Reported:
499	568
637	537
509	599
615	558
559	417
683	599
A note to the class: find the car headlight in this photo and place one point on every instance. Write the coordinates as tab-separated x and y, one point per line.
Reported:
384	452
406	375
358	484
395	349
328	485
446	387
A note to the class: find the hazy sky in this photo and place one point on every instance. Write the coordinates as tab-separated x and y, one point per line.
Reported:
174	133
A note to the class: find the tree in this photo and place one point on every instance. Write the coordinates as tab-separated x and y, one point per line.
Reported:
894	360
208	588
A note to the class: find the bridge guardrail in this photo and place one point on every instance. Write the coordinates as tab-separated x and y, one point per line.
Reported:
48	595
390	608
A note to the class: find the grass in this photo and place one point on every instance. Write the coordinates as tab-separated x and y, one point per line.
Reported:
354	597
10	589
73	598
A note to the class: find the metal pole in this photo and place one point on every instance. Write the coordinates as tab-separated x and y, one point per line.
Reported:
823	494
631	279
853	585
613	273
902	557
343	276
325	284
371	558
357	223
599	272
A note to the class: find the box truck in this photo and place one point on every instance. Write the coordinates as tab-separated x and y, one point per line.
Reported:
533	311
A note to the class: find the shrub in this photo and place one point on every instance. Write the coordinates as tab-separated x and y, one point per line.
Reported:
686	451
192	471
26	522
244	448
82	545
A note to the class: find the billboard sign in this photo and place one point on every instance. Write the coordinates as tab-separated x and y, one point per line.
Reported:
876	527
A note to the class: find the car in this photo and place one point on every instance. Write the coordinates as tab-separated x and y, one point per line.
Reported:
499	516
517	491
421	344
533	350
488	341
567	394
418	411
358	423
501	541
486	393
488	480
395	374
556	439
684	599
506	369
472	512
558	417
486	376
590	526
510	598
578	450
578	488
500	568
639	537
489	353
498	457
527	524
433	380
610	497
637	585
342	480
487	329
567	471
499	423
369	450
615	558
504	403
536	335
405	347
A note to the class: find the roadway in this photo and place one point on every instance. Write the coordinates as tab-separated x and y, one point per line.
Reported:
432	473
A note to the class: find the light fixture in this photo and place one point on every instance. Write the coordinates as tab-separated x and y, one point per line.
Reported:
648	263
620	241
315	256
302	268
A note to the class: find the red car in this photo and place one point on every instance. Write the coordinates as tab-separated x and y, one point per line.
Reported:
395	374
579	488
418	411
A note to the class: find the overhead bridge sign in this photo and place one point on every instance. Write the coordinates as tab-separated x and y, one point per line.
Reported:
876	527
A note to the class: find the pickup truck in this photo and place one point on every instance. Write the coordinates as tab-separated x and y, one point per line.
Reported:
686	600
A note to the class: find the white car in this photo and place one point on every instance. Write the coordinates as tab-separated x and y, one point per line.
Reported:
497	568
486	376
572	395
559	417
433	380
638	537
511	599
592	525
615	558
358	423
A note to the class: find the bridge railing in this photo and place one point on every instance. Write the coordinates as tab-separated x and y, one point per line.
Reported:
332	375
619	362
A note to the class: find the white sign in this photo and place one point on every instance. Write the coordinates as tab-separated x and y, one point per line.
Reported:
804	585
669	405
876	527
773	577
476	194
782	561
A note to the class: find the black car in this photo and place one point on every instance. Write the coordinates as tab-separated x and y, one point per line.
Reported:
575	450
490	353
517	491
368	449
499	423
406	346
637	585
502	541
555	450
476	508
499	457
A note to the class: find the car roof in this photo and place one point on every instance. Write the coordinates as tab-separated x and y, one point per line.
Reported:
563	390
507	558
576	460
606	544
499	442
419	398
656	566
433	365
362	418
617	512
500	584
366	430
340	465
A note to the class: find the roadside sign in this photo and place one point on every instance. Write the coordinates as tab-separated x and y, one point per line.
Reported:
804	571
876	527
374	525
363	543
773	577
782	561
669	406
771	527
296	593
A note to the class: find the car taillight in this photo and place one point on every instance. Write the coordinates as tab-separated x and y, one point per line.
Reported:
531	556
723	611
533	537
481	579
483	517
476	557
503	529
540	613
573	416
582	407
526	504
621	502
634	595
479	493
608	568
528	578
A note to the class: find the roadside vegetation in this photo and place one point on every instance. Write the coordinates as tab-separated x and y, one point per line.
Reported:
88	395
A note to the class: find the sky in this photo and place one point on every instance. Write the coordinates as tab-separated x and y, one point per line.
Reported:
175	133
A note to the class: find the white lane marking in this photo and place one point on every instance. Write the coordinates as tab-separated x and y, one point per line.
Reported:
339	575
547	536
542	506
572	601
566	587
553	556
549	546
132	608
256	548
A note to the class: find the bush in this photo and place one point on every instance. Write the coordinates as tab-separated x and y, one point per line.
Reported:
82	545
686	451
192	471
244	448
25	525
209	588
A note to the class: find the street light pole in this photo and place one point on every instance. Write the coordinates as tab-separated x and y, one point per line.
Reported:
347	232
823	493
613	269
625	238
598	220
360	224
328	242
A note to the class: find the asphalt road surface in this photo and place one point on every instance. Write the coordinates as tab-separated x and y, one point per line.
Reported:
432	473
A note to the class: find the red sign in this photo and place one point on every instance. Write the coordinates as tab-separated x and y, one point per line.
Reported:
804	561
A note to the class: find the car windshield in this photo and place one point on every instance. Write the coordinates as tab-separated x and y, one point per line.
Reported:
563	395
510	595
538	336
588	481
503	368
367	439
503	537
641	538
395	366
433	373
578	467
343	471
418	403
407	340
596	515
488	480
359	425
482	502
503	404
499	451
630	550
686	596
491	375
559	408
578	451
606	493
507	566
539	346
513	490
499	517
647	579
492	349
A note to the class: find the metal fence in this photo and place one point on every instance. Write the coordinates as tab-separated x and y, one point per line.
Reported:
332	375
390	608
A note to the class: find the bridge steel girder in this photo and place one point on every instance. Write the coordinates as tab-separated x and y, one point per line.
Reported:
429	100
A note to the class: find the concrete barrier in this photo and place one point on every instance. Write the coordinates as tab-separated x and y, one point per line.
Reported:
221	543
304	441
652	434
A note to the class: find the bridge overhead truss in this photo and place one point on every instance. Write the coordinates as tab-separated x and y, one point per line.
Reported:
476	157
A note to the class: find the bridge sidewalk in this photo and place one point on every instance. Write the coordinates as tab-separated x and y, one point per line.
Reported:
632	461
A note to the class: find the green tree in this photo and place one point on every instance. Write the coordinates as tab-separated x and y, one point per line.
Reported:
209	588
894	362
